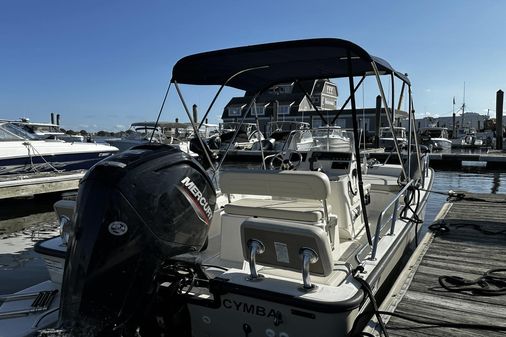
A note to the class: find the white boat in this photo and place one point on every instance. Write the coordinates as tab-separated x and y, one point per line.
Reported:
239	136
280	132
387	137
466	138
435	138
174	133
331	138
24	152
287	254
47	131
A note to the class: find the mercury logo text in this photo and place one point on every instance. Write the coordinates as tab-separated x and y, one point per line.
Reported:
201	200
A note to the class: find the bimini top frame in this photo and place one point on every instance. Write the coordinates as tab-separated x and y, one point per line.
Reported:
256	68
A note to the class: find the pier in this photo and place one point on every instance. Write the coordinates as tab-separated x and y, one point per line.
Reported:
27	185
492	159
466	241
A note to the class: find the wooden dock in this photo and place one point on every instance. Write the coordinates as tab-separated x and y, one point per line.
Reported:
468	250
26	185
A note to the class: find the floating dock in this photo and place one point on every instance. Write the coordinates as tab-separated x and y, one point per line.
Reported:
469	239
27	185
454	160
492	159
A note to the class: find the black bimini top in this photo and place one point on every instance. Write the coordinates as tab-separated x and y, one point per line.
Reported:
258	67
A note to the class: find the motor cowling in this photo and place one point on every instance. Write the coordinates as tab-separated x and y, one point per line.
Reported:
135	210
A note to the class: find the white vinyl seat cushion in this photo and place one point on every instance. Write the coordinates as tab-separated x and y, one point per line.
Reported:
295	210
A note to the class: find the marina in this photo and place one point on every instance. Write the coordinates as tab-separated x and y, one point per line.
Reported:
453	284
317	169
312	238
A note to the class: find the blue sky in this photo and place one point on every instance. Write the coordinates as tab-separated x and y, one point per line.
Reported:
106	64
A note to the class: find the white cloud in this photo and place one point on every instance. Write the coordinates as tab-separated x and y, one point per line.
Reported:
119	126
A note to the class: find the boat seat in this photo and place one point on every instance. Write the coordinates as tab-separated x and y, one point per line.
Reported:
283	242
297	196
297	184
305	194
296	210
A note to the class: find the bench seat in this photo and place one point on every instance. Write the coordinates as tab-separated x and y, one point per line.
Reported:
295	210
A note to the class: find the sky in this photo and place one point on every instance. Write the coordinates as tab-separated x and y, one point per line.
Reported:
103	64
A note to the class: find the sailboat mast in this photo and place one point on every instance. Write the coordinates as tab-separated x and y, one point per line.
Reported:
463	105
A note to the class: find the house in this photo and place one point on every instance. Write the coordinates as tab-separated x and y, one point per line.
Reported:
289	102
285	102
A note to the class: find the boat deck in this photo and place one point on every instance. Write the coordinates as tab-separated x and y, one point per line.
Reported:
464	251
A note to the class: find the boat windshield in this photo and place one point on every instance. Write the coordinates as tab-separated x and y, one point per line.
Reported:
285	126
322	139
9	131
243	127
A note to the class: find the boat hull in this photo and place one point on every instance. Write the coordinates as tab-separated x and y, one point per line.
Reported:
51	163
439	144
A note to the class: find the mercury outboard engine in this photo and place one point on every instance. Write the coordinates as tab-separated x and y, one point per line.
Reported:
135	210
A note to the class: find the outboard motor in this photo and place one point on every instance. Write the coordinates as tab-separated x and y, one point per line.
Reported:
135	210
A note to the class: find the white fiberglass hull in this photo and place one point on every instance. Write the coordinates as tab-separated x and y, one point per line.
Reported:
40	156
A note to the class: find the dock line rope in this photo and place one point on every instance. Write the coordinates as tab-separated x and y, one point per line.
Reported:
492	283
413	318
441	227
414	193
457	196
367	289
34	168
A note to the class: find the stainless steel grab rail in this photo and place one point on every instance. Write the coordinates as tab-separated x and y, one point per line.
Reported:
393	218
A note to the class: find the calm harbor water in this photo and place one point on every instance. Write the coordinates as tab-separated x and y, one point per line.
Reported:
21	267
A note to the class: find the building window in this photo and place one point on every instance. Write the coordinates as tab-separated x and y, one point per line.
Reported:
234	111
330	90
284	110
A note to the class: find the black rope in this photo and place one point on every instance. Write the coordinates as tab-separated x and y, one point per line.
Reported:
367	289
458	196
490	276
414	192
441	227
492	283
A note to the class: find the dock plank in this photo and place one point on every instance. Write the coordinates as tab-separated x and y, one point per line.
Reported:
464	251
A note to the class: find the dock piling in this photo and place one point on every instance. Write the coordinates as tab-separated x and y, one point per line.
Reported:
498	114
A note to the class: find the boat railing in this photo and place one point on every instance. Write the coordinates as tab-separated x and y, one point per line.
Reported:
389	215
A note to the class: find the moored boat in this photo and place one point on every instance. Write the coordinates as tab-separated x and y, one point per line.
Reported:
436	138
24	152
388	137
288	253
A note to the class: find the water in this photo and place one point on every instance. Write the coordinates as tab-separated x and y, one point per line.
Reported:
21	267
